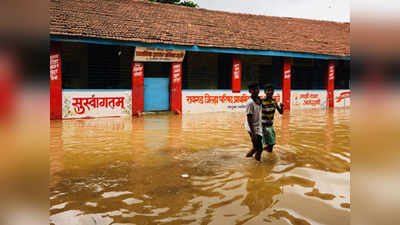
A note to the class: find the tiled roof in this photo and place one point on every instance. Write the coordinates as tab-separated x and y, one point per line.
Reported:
150	22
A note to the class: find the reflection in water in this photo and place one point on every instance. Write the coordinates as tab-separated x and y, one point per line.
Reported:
129	170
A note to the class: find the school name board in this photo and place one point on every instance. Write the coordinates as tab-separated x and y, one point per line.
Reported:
82	104
143	54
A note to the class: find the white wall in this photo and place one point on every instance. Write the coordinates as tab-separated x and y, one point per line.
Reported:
197	101
193	101
308	99
342	98
96	103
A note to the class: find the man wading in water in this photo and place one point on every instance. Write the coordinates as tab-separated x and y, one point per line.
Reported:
269	105
253	121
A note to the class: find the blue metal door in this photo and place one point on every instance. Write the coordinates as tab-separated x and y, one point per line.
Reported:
156	94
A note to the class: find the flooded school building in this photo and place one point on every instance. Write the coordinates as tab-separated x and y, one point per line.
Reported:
122	58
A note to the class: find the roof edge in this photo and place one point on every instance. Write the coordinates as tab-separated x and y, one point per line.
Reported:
194	48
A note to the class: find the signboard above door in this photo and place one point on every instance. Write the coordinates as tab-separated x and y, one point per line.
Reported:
143	54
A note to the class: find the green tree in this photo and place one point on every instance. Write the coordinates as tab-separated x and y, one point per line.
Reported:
178	2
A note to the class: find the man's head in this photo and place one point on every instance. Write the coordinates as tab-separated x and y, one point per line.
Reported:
269	90
253	89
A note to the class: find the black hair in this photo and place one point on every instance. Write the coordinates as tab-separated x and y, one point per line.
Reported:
252	85
268	86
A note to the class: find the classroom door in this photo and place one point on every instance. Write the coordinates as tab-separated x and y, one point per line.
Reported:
156	94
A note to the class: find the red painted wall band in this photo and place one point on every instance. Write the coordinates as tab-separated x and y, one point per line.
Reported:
55	82
286	79
137	88
236	74
176	88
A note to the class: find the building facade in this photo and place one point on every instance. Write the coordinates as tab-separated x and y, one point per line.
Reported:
122	58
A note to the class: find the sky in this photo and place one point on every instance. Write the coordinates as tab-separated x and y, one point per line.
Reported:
332	10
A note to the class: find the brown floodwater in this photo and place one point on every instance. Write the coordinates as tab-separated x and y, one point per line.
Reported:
192	169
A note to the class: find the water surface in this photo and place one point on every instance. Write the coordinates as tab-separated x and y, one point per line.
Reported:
192	169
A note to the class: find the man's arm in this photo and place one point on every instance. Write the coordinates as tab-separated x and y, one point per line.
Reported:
249	119
249	113
279	107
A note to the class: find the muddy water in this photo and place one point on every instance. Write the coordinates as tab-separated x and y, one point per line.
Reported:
192	169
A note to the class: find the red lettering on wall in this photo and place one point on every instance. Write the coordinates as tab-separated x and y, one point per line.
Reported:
83	104
343	95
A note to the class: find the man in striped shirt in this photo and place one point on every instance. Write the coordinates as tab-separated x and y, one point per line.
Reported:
269	105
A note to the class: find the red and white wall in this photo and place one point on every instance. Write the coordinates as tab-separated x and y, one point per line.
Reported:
113	103
200	101
96	103
342	98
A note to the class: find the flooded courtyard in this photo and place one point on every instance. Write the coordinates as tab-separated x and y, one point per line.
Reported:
192	169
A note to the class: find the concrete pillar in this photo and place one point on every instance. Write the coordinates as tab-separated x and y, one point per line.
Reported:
137	88
176	87
286	79
55	82
330	85
236	74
